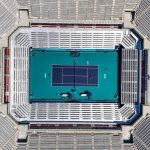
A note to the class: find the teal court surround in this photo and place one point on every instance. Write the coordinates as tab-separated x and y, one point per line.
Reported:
40	75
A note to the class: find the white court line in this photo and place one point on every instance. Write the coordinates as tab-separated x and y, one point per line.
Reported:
62	75
87	71
76	84
75	76
72	67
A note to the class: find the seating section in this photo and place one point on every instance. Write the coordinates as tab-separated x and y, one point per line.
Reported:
128	42
142	7
129	76
142	18
141	134
75	140
11	6
104	10
23	110
20	69
128	146
71	112
70	10
75	38
132	4
8	15
8	133
127	111
21	146
118	9
75	112
22	39
78	11
23	3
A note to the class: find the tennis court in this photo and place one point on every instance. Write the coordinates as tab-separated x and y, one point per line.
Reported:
57	76
74	75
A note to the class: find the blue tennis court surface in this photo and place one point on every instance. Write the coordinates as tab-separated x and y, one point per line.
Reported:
61	76
74	75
